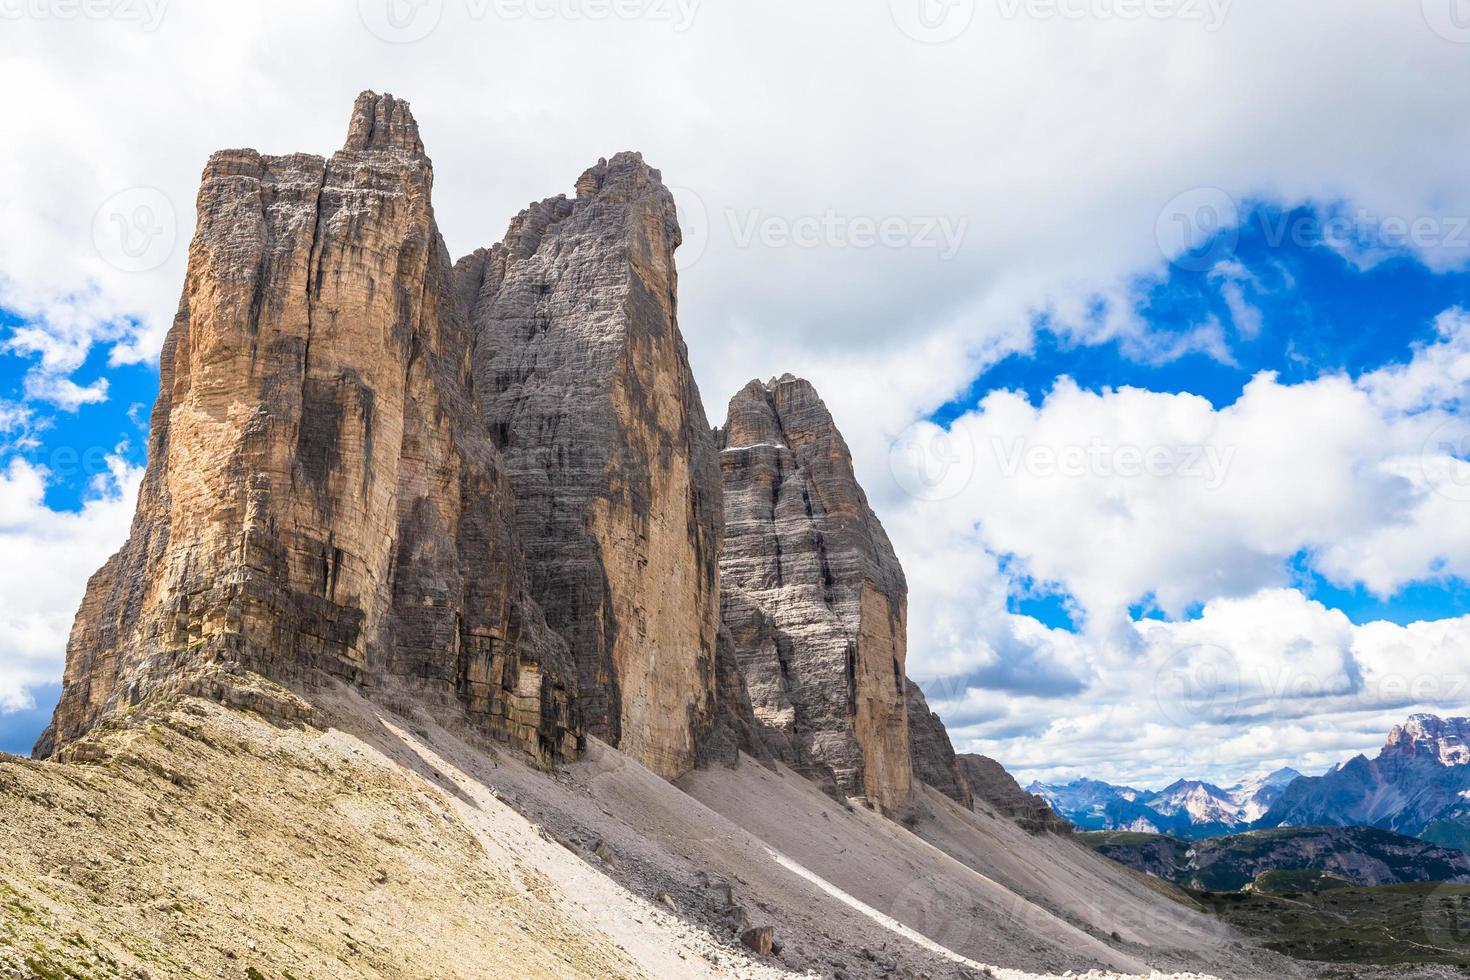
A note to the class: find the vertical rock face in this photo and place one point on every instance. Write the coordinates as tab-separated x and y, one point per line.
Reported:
993	786
813	595
322	495
934	758
585	384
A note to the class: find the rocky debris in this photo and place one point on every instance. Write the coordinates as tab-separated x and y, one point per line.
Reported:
759	939
585	384
813	596
933	755
323	499
991	785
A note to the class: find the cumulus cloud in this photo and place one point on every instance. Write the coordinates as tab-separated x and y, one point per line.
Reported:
1061	169
1128	498
1269	679
49	555
1051	140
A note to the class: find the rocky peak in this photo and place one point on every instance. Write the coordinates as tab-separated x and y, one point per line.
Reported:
1446	740
813	595
584	381
383	123
323	502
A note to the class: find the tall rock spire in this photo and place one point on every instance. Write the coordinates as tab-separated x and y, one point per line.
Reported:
322	498
813	596
586	386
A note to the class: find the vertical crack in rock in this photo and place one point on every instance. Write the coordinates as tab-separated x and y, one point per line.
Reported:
813	596
585	381
322	497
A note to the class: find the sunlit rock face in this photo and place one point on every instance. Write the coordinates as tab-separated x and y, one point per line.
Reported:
813	596
323	498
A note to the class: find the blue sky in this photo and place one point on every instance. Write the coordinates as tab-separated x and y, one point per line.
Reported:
1311	312
1326	539
1319	313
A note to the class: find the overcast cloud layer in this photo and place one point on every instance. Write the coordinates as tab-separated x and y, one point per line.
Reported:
885	215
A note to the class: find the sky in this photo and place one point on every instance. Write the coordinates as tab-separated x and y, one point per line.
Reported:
1148	323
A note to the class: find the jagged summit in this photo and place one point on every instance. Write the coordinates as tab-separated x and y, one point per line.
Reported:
323	502
381	122
583	378
813	595
1444	739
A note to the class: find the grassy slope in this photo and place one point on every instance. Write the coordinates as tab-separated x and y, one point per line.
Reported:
1390	924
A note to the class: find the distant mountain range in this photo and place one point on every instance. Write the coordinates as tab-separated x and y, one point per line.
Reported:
1187	808
1298	857
1418	786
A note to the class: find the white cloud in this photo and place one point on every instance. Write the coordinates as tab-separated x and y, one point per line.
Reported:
1269	679
1060	141
49	555
1052	136
1125	497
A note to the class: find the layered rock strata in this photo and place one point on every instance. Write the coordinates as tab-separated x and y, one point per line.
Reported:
323	498
813	595
585	384
934	759
992	786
